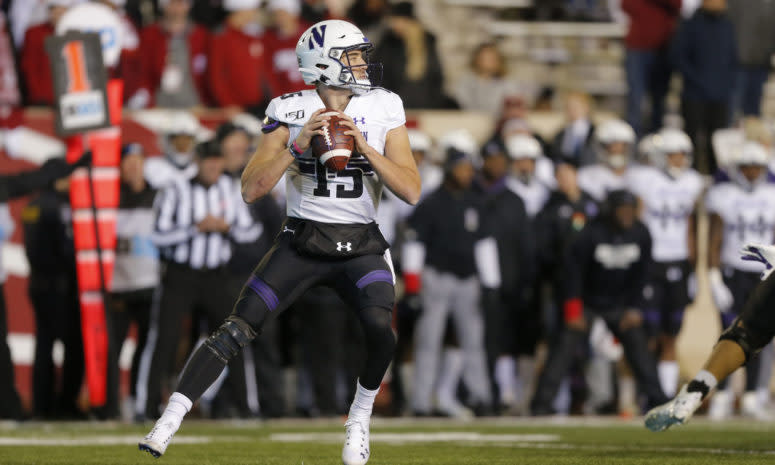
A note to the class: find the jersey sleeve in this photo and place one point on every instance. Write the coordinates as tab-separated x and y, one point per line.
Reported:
394	114
714	199
272	119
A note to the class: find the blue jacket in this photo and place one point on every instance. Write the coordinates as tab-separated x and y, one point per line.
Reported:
704	50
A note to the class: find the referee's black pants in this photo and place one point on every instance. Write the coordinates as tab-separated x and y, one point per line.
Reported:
182	290
10	406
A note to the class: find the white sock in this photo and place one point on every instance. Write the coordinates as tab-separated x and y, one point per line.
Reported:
506	378
178	406
706	377
362	403
668	371
449	378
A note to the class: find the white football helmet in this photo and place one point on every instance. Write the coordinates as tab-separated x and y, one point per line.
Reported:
669	141
418	140
612	131
521	146
750	154
322	54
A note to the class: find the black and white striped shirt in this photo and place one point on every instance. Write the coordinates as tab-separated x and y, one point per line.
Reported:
185	203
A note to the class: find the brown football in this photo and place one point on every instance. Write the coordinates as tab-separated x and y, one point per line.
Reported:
333	148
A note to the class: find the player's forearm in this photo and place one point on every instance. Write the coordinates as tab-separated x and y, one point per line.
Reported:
402	181
263	173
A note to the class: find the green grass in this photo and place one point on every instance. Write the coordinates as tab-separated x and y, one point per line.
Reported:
397	442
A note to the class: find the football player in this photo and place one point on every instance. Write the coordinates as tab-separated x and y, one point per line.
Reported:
668	191
742	210
330	237
615	140
753	329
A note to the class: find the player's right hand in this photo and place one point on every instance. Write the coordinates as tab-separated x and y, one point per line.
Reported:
760	253
312	127
722	296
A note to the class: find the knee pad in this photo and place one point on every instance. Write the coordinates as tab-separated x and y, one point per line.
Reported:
234	334
748	339
377	324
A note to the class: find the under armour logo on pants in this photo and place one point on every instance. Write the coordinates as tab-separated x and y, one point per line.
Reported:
344	247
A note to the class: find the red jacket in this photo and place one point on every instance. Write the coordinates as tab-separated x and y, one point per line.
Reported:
35	67
652	22
153	56
238	72
281	59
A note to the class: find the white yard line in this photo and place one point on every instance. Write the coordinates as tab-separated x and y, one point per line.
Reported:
96	441
403	438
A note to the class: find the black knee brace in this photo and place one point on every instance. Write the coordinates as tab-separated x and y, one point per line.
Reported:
234	334
749	339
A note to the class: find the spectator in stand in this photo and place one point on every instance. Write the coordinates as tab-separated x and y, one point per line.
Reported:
239	78
369	16
486	85
128	68
753	20
35	68
174	60
574	143
411	66
652	23
280	43
10	93
313	11
708	76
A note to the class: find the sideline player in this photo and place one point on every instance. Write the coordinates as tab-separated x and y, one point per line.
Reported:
330	236
753	329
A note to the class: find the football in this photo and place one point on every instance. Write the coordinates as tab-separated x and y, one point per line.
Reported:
333	148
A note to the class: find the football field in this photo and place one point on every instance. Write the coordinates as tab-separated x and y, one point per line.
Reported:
400	441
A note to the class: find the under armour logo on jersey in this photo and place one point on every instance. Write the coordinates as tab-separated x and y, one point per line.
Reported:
361	120
348	247
287	229
317	36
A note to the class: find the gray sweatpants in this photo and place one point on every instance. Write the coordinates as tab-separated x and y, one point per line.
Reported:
442	294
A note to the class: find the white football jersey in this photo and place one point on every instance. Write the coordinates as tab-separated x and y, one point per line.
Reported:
351	195
667	205
535	194
748	217
598	180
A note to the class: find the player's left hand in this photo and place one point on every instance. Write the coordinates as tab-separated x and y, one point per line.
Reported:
760	253
361	146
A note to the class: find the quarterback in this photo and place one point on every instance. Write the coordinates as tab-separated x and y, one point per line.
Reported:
330	237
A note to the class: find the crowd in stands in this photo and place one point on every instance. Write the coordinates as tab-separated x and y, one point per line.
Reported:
595	228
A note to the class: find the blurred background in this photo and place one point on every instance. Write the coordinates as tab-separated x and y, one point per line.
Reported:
556	102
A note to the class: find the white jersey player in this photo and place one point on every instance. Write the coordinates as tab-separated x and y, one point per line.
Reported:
742	211
526	153
615	139
668	190
330	237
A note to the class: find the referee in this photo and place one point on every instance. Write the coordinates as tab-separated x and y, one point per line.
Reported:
197	222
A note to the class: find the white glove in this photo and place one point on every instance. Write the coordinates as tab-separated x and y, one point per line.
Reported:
603	341
760	253
722	296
